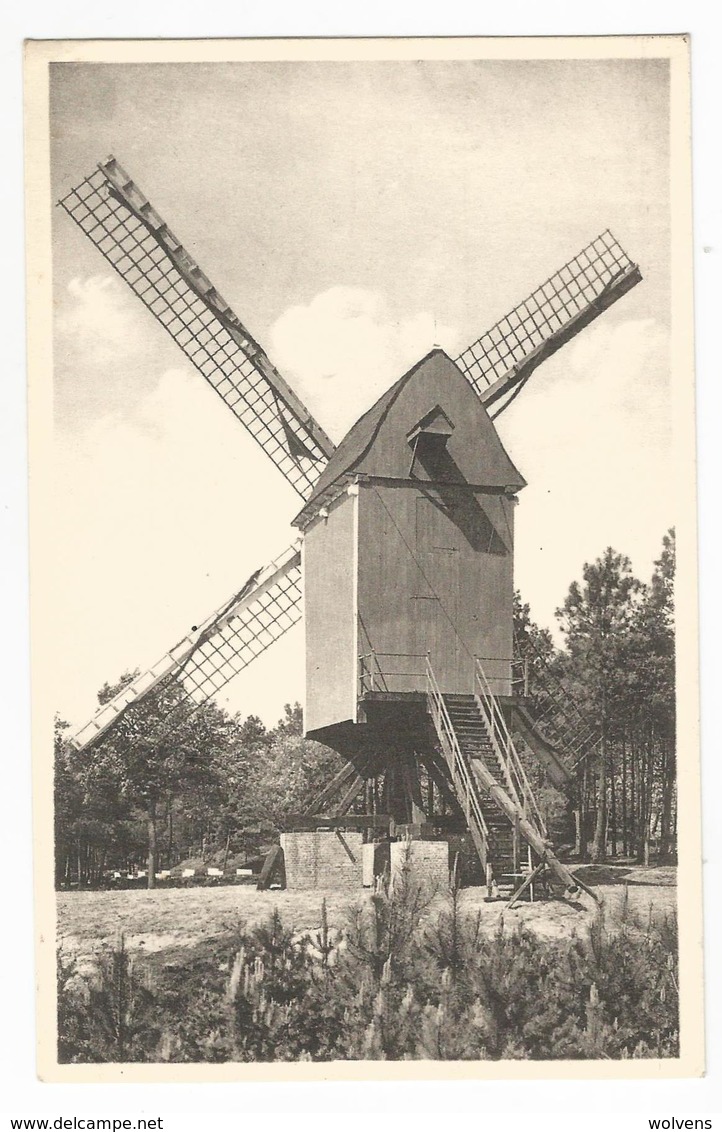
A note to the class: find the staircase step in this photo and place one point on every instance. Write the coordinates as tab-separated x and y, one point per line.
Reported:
476	746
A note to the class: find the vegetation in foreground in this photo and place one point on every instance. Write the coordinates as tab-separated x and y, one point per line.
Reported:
389	985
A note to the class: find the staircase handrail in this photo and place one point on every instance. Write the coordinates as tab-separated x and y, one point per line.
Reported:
373	676
466	776
508	756
368	673
452	751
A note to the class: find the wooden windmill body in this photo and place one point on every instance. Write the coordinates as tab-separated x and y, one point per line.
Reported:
408	546
407	558
406	564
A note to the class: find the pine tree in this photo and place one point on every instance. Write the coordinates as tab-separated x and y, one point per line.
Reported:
596	619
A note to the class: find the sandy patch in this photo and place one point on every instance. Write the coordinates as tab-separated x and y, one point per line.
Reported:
159	921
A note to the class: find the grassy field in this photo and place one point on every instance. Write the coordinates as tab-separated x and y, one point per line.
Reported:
164	921
207	975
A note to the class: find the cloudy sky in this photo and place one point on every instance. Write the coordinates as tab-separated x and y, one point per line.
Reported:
353	214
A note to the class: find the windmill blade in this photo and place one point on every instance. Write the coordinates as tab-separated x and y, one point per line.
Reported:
113	213
500	363
216	651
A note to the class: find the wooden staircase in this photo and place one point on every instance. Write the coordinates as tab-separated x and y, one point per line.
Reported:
475	744
490	782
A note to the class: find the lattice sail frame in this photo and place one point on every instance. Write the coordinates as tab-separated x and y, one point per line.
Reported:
205	661
110	209
500	362
122	224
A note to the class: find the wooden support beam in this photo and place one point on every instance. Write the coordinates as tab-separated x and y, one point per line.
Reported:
368	796
589	891
401	808
296	823
336	784
530	833
274	865
525	884
516	844
348	797
439	775
410	774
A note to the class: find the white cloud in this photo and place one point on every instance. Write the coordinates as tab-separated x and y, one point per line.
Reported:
163	511
592	435
158	519
99	315
164	505
343	349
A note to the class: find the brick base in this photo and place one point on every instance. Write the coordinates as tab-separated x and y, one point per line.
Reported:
428	862
324	859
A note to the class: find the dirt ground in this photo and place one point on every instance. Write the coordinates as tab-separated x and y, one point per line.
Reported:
161	921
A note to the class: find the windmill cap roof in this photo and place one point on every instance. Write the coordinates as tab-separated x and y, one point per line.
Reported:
441	379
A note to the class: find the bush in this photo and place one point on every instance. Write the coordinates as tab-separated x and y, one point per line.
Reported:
385	987
107	1016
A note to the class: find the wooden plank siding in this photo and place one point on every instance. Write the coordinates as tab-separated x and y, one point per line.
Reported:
330	615
436	576
419	558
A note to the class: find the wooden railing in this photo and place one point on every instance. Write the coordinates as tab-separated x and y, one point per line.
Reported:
516	778
469	777
379	672
464	783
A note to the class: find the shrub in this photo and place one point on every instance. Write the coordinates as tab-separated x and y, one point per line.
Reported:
392	984
107	1016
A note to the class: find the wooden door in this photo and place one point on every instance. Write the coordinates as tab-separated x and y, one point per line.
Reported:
435	601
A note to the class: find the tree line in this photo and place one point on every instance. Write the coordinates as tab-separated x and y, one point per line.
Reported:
146	792
150	794
617	663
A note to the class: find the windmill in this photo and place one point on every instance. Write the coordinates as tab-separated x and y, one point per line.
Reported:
407	550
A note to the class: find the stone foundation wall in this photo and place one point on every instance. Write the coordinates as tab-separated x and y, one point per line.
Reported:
324	859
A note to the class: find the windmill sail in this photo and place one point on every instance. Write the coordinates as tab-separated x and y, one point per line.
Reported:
113	213
209	657
500	363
